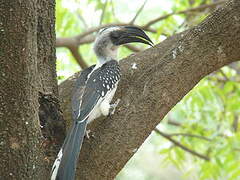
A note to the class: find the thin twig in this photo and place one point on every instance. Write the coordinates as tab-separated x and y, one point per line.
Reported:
189	135
113	9
235	123
199	8
103	12
138	12
173	122
83	21
181	146
224	75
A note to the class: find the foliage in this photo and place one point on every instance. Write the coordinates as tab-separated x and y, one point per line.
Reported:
209	112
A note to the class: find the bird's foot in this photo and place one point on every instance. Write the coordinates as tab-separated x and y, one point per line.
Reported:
89	134
113	107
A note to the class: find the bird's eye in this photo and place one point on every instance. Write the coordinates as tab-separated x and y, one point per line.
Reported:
115	35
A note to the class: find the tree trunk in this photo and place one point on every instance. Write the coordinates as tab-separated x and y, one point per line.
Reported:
164	75
21	156
27	67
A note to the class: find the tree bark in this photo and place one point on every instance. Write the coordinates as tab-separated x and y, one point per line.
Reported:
164	75
21	156
50	115
27	67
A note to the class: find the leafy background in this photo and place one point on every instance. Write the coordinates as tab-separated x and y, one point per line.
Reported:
199	139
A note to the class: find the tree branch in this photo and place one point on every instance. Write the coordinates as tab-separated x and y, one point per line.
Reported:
72	44
138	12
113	9
73	41
174	123
199	8
168	137
77	55
164	75
133	48
103	12
189	135
82	20
224	75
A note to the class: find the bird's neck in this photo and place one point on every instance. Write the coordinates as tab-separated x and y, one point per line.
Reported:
102	60
106	54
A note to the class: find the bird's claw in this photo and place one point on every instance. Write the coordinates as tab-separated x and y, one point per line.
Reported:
113	107
89	134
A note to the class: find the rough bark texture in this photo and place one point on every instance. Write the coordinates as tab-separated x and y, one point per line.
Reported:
20	150
50	116
27	67
164	75
46	46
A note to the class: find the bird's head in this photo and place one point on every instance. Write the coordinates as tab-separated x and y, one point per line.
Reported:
109	39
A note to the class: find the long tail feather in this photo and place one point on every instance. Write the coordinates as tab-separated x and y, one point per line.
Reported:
65	165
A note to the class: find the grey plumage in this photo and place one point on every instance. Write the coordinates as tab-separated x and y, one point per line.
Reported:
78	90
70	152
65	164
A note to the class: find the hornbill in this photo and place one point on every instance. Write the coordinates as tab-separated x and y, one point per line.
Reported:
93	93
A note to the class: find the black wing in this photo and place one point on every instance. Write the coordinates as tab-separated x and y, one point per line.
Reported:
79	89
99	83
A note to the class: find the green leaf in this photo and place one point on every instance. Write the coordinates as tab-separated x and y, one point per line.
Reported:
228	87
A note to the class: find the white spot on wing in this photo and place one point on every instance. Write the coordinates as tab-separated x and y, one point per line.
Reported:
134	66
174	53
181	48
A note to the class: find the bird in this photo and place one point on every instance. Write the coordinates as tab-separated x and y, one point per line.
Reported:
93	92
